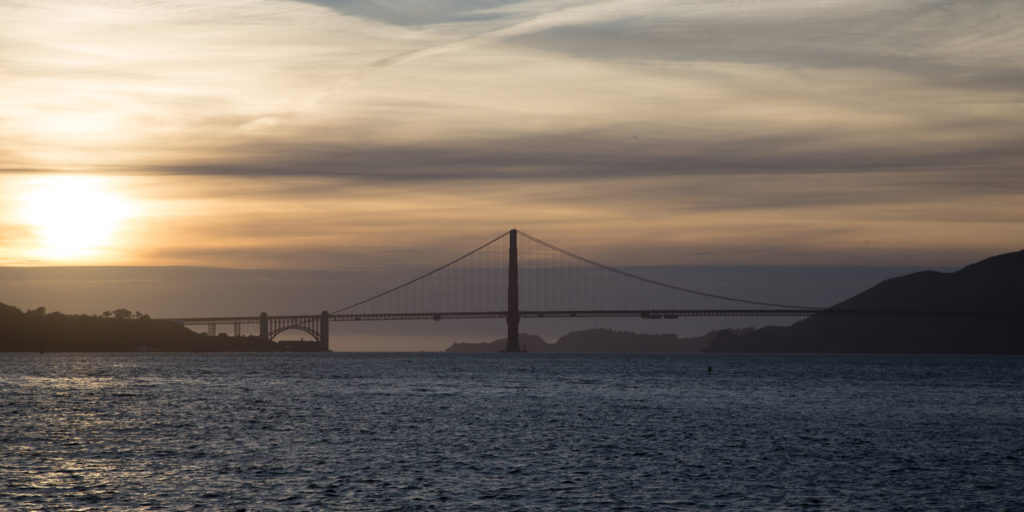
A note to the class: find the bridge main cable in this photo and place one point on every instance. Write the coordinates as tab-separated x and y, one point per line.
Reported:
424	276
662	284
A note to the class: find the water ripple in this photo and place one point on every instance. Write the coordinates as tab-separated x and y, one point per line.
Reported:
371	432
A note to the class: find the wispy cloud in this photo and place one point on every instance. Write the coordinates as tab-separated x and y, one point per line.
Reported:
813	125
198	80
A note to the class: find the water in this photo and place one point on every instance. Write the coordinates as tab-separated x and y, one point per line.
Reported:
529	432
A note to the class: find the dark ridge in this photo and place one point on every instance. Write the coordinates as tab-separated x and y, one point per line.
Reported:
993	287
595	341
36	330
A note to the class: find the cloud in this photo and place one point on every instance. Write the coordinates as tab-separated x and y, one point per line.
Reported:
819	34
262	131
692	80
417	13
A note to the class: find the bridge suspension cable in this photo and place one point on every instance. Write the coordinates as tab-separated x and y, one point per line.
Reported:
551	280
495	259
656	283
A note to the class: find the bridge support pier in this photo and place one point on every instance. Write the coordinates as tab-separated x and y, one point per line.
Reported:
264	326
325	330
512	345
512	316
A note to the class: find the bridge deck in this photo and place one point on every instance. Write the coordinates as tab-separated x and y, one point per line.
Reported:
649	314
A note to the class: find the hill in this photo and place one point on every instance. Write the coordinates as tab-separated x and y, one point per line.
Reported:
994	288
38	331
594	341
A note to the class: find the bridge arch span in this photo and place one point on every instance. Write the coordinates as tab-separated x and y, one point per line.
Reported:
273	334
316	326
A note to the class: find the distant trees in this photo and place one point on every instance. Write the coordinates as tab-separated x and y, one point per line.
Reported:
124	314
116	330
117	314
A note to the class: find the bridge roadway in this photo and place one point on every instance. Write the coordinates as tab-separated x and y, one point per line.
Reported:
462	315
644	313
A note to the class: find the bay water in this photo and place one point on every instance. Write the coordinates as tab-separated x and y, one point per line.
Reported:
531	432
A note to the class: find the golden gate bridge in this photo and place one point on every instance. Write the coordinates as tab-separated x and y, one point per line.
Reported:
515	276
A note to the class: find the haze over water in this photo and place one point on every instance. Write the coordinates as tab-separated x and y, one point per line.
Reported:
499	432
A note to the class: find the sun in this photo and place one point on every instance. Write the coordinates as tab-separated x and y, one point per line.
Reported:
73	218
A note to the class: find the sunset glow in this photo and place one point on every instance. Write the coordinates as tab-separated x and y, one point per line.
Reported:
271	133
73	219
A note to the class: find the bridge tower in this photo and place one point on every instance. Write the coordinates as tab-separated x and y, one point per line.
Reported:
264	326
512	315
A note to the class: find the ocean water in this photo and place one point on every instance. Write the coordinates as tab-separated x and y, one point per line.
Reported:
409	432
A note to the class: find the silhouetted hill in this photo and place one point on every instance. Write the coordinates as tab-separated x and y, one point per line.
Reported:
38	331
594	341
530	342
995	284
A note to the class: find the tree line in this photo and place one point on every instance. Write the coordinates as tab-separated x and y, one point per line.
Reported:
117	330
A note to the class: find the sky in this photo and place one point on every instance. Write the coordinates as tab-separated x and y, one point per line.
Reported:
349	135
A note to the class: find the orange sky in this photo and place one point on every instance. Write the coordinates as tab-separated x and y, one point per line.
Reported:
330	135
